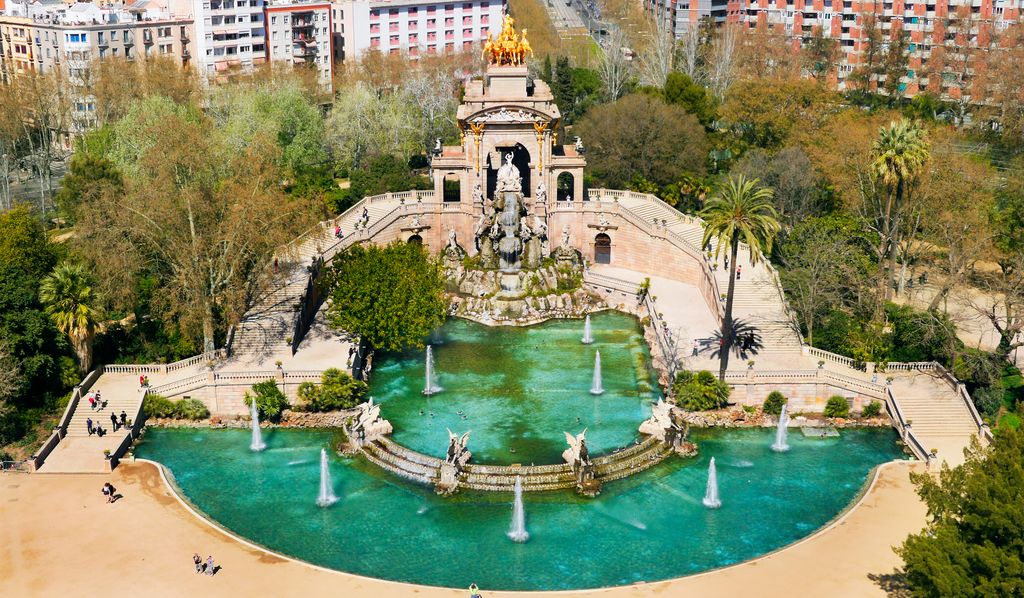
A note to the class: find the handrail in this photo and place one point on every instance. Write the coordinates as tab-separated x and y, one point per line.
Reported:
164	368
905	429
61	430
133	433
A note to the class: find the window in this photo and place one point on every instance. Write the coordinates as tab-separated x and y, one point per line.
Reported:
413	38
99	38
467	20
467	33
394	40
413	11
374	27
449	22
431	22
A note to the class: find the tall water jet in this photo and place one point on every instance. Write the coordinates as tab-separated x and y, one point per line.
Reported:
588	337
711	499
430	386
596	387
517	531
780	445
327	497
257	443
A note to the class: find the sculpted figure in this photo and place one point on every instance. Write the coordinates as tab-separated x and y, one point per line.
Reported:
565	236
508	176
478	195
542	192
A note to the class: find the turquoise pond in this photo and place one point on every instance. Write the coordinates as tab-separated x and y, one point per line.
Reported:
517	390
649	527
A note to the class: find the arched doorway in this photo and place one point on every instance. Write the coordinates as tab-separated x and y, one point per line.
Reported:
565	186
602	249
520	159
452	187
415	240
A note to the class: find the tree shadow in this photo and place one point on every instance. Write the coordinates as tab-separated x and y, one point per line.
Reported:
893	584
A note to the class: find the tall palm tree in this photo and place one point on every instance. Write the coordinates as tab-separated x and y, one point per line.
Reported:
741	210
69	299
897	157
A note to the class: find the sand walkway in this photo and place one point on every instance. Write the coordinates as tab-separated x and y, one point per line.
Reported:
58	537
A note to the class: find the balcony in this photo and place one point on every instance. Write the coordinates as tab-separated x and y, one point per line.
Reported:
304	38
147	38
304	50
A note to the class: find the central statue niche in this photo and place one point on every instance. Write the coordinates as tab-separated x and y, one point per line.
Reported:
520	159
502	234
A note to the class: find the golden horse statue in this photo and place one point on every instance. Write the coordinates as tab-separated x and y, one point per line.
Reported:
508	48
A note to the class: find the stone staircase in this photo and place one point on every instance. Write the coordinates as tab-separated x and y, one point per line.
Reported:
265	328
757	299
939	417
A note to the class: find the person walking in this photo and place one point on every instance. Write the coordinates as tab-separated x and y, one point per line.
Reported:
124	419
198	562
92	401
113	420
88	426
739	271
696	348
209	565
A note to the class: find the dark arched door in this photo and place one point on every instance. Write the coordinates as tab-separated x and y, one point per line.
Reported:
415	240
602	249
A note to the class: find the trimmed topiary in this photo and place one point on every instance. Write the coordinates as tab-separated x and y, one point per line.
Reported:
837	407
773	403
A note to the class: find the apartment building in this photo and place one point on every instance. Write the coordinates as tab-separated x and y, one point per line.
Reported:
48	34
301	33
413	27
679	15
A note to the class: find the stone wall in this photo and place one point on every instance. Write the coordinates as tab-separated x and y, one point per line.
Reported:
803	396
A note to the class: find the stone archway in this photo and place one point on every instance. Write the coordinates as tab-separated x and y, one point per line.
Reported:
564	186
415	240
452	188
602	249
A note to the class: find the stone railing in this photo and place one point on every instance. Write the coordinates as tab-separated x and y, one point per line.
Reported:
202	381
165	368
61	430
130	436
819	376
906	433
828	356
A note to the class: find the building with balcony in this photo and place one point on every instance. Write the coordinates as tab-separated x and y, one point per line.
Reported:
229	35
300	33
413	27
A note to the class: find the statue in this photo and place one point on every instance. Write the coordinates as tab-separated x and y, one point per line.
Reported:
577	454
508	176
453	253
479	230
437	146
366	426
416	222
565	254
478	195
542	193
602	220
508	49
565	236
457	454
578	145
540	228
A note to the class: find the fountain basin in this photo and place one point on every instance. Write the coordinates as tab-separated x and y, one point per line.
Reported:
393	529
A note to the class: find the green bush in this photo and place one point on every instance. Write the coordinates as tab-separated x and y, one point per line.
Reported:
700	391
837	407
337	390
773	403
191	409
872	409
270	401
157	406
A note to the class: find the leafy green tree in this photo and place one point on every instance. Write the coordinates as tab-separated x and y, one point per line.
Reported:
740	210
773	403
837	407
681	90
391	297
337	390
69	299
973	544
89	174
700	391
270	400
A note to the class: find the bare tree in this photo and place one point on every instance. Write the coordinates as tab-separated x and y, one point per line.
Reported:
46	125
434	93
614	68
721	61
658	58
689	59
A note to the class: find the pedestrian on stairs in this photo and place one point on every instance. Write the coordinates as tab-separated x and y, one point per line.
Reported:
92	401
113	420
739	271
142	381
124	419
88	426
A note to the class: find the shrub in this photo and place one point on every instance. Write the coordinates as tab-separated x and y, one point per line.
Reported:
872	409
837	407
773	403
700	391
270	401
157	406
191	409
337	390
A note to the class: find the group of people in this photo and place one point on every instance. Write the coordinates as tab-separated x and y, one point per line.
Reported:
94	428
144	380
206	567
95	402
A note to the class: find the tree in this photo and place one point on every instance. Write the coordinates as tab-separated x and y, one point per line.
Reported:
69	299
115	83
764	112
614	69
791	176
722	60
88	175
657	59
391	297
865	74
972	544
700	391
740	210
681	90
898	156
640	135
337	390
364	124
894	66
205	216
820	55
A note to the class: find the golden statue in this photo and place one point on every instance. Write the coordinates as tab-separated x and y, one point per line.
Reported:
508	49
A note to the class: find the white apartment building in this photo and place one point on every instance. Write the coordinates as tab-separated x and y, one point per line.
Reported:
413	27
301	33
229	33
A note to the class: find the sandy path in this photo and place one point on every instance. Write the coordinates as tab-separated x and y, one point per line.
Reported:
58	537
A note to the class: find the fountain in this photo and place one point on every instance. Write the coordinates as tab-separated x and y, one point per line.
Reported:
327	497
517	531
257	443
597	388
587	336
430	386
780	445
711	499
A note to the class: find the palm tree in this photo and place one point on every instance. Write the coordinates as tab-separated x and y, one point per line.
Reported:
740	210
69	299
897	157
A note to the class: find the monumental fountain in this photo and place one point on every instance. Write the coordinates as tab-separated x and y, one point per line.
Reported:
517	531
430	386
781	445
256	443
711	499
326	497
